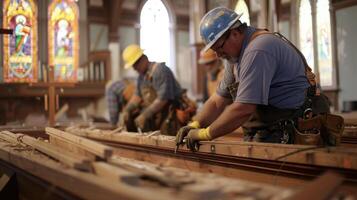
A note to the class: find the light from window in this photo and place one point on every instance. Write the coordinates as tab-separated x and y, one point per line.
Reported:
324	42
154	33
305	27
242	7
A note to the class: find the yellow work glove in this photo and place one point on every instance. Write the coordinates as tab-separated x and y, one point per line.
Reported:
182	133
195	135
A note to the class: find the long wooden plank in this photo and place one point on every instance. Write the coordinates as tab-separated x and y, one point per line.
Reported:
64	144
333	156
9	137
70	159
96	148
115	173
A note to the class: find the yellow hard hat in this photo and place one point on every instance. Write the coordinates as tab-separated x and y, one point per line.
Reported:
131	54
207	56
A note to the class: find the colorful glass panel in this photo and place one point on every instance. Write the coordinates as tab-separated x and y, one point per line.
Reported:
63	39
324	42
305	27
20	48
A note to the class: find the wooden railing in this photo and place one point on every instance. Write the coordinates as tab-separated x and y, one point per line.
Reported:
91	86
97	69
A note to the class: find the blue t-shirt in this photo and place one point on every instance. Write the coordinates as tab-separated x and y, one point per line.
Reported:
269	72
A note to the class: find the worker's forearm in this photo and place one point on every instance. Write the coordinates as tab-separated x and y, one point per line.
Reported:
213	107
232	118
134	100
133	103
156	106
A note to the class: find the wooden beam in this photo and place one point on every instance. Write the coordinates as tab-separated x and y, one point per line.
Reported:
96	148
64	144
62	155
343	157
111	172
9	137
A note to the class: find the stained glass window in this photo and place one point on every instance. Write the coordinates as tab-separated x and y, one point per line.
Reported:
242	7
324	42
20	49
154	32
63	39
306	35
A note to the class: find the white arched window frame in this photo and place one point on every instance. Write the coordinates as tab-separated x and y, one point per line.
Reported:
315	38
157	32
242	7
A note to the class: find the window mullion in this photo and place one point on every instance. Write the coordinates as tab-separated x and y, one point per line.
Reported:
314	38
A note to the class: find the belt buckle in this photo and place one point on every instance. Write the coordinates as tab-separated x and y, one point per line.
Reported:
307	113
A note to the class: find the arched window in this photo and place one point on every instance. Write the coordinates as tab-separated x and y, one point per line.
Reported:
242	7
63	39
324	42
155	32
20	49
305	33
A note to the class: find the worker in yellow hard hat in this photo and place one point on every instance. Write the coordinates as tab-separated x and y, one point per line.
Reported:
157	97
214	72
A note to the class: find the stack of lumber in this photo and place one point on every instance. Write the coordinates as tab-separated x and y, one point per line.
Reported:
90	170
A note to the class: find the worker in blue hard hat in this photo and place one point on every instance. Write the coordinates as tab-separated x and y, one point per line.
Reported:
267	88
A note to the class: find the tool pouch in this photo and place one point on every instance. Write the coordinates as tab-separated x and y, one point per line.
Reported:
307	137
308	131
186	109
171	124
323	129
332	129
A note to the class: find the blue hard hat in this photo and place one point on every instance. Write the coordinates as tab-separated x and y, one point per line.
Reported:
215	23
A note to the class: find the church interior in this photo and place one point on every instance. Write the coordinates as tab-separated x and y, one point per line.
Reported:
178	99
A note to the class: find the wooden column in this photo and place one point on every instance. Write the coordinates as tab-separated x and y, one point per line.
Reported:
114	47
335	67
52	97
197	11
314	39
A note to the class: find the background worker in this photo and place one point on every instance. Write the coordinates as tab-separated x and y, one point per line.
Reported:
118	94
158	95
214	73
267	84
